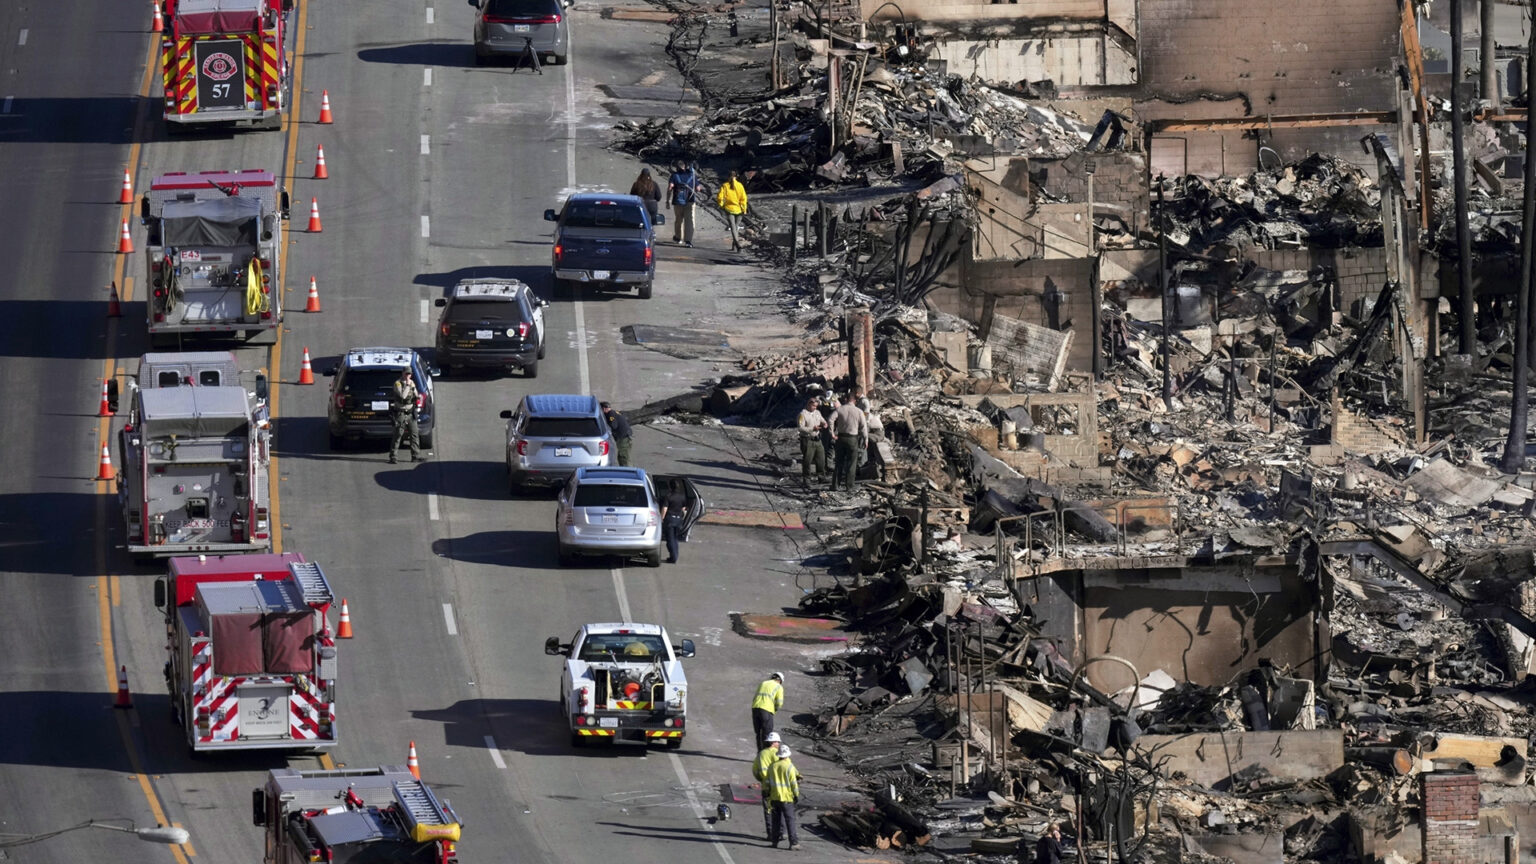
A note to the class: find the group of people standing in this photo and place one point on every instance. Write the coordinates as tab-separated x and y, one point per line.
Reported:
776	775
840	426
683	192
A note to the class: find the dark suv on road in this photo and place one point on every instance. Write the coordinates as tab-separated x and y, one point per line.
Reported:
361	386
491	323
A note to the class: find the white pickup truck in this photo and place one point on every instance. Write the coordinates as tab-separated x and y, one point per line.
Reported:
623	682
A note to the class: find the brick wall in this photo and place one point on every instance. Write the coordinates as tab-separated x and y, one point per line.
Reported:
1357	433
1450	802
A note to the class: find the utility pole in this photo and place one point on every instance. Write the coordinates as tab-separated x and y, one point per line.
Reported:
1459	170
773	26
1162	279
1514	445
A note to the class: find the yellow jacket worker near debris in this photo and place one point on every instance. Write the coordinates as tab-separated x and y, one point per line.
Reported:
732	198
761	767
769	699
783	793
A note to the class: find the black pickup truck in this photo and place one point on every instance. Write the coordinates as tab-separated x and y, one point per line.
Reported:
604	239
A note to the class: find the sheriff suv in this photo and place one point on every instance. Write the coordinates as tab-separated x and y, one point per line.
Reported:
361	386
491	323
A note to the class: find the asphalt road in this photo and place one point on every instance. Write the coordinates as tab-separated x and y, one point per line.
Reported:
438	170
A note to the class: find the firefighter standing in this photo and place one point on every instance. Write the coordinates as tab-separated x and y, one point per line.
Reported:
783	793
769	698
760	768
402	411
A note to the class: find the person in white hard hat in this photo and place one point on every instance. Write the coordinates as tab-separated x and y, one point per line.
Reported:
769	699
760	768
784	793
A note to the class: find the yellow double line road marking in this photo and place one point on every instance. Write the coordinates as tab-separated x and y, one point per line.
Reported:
108	588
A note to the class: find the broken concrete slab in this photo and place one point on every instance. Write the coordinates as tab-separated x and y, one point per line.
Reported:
1212	758
1443	482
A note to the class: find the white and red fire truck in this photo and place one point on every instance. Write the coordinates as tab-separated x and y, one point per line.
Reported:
377	815
252	661
225	61
195	454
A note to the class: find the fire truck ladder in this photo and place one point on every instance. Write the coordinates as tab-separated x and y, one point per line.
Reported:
420	806
312	583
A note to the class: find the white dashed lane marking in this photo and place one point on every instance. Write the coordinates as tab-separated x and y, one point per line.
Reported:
490	744
453	627
432	506
426	226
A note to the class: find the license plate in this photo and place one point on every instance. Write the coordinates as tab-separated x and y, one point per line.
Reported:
483	334
379	406
608	722
610	520
519	28
601	275
562	451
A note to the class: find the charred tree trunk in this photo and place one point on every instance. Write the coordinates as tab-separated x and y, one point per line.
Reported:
1459	170
1514	445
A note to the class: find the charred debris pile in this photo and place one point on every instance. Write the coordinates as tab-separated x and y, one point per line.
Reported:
1185	570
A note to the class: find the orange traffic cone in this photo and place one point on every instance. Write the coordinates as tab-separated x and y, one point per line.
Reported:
325	106
125	242
314	218
307	376
412	763
159	26
344	629
106	408
127	195
320	172
114	303
106	472
124	698
313	303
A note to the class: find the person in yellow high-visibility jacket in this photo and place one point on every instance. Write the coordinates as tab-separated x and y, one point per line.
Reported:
732	198
769	699
783	792
760	768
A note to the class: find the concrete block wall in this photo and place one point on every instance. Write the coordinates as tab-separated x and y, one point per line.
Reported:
1361	271
1451	800
1119	182
1053	293
1300	57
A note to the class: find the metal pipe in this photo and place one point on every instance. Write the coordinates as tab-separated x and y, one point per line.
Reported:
1162	274
794	231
